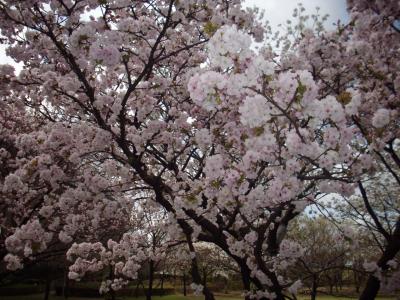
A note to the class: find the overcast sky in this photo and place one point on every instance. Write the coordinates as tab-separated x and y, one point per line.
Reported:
277	11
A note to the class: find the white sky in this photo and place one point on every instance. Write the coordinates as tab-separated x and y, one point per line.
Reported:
3	58
276	11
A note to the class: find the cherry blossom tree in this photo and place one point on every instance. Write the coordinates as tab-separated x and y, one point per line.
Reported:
168	102
369	56
375	212
40	211
326	252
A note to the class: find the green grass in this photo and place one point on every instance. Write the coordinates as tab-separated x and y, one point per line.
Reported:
171	297
323	297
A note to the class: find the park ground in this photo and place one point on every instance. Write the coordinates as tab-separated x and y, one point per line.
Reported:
172	297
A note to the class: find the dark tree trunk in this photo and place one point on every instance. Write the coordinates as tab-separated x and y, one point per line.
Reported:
314	288
204	277
208	295
111	276
47	289
372	286
337	283
331	282
137	289
65	285
245	279
357	281
162	284
149	291
184	284
112	294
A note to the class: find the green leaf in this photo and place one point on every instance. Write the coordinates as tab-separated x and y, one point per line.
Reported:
210	28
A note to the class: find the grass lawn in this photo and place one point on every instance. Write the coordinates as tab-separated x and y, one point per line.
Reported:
168	297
